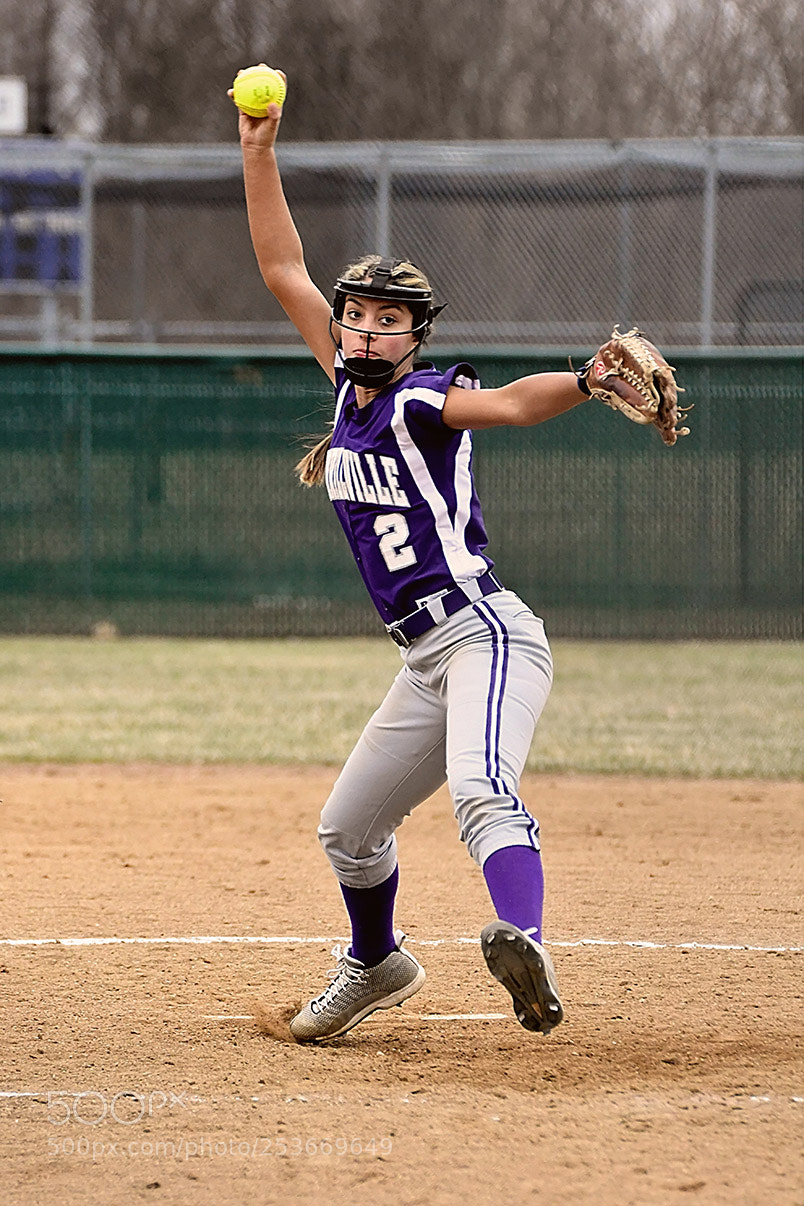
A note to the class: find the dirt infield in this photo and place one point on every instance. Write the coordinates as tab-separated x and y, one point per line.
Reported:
162	1071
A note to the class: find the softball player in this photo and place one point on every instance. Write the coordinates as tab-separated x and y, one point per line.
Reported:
477	668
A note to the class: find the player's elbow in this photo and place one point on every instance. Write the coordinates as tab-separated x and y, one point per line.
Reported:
506	407
520	415
276	273
511	407
284	280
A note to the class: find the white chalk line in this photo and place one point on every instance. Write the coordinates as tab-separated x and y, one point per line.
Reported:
422	1017
276	940
41	1095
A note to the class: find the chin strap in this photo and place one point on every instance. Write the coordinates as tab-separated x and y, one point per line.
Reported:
373	374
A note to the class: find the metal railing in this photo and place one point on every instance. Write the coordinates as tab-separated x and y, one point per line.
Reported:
542	243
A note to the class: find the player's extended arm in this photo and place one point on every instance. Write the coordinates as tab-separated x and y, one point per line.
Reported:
276	241
521	403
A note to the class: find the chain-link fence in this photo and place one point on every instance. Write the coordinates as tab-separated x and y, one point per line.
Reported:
156	492
543	243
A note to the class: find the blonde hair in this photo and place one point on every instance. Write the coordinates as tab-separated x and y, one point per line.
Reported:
405	272
310	469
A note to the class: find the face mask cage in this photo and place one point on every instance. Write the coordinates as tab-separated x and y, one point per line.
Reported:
376	371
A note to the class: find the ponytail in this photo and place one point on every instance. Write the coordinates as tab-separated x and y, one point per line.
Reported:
310	469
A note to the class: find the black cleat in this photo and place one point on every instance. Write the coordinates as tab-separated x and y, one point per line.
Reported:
526	970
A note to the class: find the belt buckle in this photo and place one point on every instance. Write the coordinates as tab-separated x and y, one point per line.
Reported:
398	636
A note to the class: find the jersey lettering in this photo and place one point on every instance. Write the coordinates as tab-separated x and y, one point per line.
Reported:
364	492
394	531
349	477
398	496
383	493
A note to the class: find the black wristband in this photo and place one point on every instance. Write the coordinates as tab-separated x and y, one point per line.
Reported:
582	374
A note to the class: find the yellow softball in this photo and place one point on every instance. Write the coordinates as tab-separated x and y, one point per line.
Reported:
256	88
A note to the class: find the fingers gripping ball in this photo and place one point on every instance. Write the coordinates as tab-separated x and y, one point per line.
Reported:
631	375
256	88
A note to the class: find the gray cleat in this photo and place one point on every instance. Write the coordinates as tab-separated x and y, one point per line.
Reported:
526	970
356	991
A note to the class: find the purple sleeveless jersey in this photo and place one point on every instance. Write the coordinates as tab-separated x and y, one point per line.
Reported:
401	483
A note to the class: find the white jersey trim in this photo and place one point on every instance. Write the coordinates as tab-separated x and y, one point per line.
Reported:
463	487
460	562
343	391
433	397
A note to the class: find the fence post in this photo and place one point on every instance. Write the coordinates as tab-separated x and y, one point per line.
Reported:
382	234
744	471
85	489
703	569
708	248
87	256
138	261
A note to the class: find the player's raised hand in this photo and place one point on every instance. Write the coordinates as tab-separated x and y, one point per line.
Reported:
259	132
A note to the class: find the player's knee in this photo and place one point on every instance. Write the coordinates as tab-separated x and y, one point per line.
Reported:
337	846
472	793
357	863
490	815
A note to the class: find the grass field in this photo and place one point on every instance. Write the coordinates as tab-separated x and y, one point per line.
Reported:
687	708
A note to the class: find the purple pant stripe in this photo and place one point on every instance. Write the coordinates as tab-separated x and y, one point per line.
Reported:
499	637
490	699
492	764
501	640
499	674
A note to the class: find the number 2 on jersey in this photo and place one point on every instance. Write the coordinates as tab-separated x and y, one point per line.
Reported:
393	531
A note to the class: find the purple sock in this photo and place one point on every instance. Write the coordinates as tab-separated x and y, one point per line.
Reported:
371	912
515	882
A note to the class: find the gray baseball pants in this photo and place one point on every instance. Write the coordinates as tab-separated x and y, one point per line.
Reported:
462	709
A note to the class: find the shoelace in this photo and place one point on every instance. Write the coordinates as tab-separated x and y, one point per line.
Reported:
343	973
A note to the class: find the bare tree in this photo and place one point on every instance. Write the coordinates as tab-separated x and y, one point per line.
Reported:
147	71
730	67
778	25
